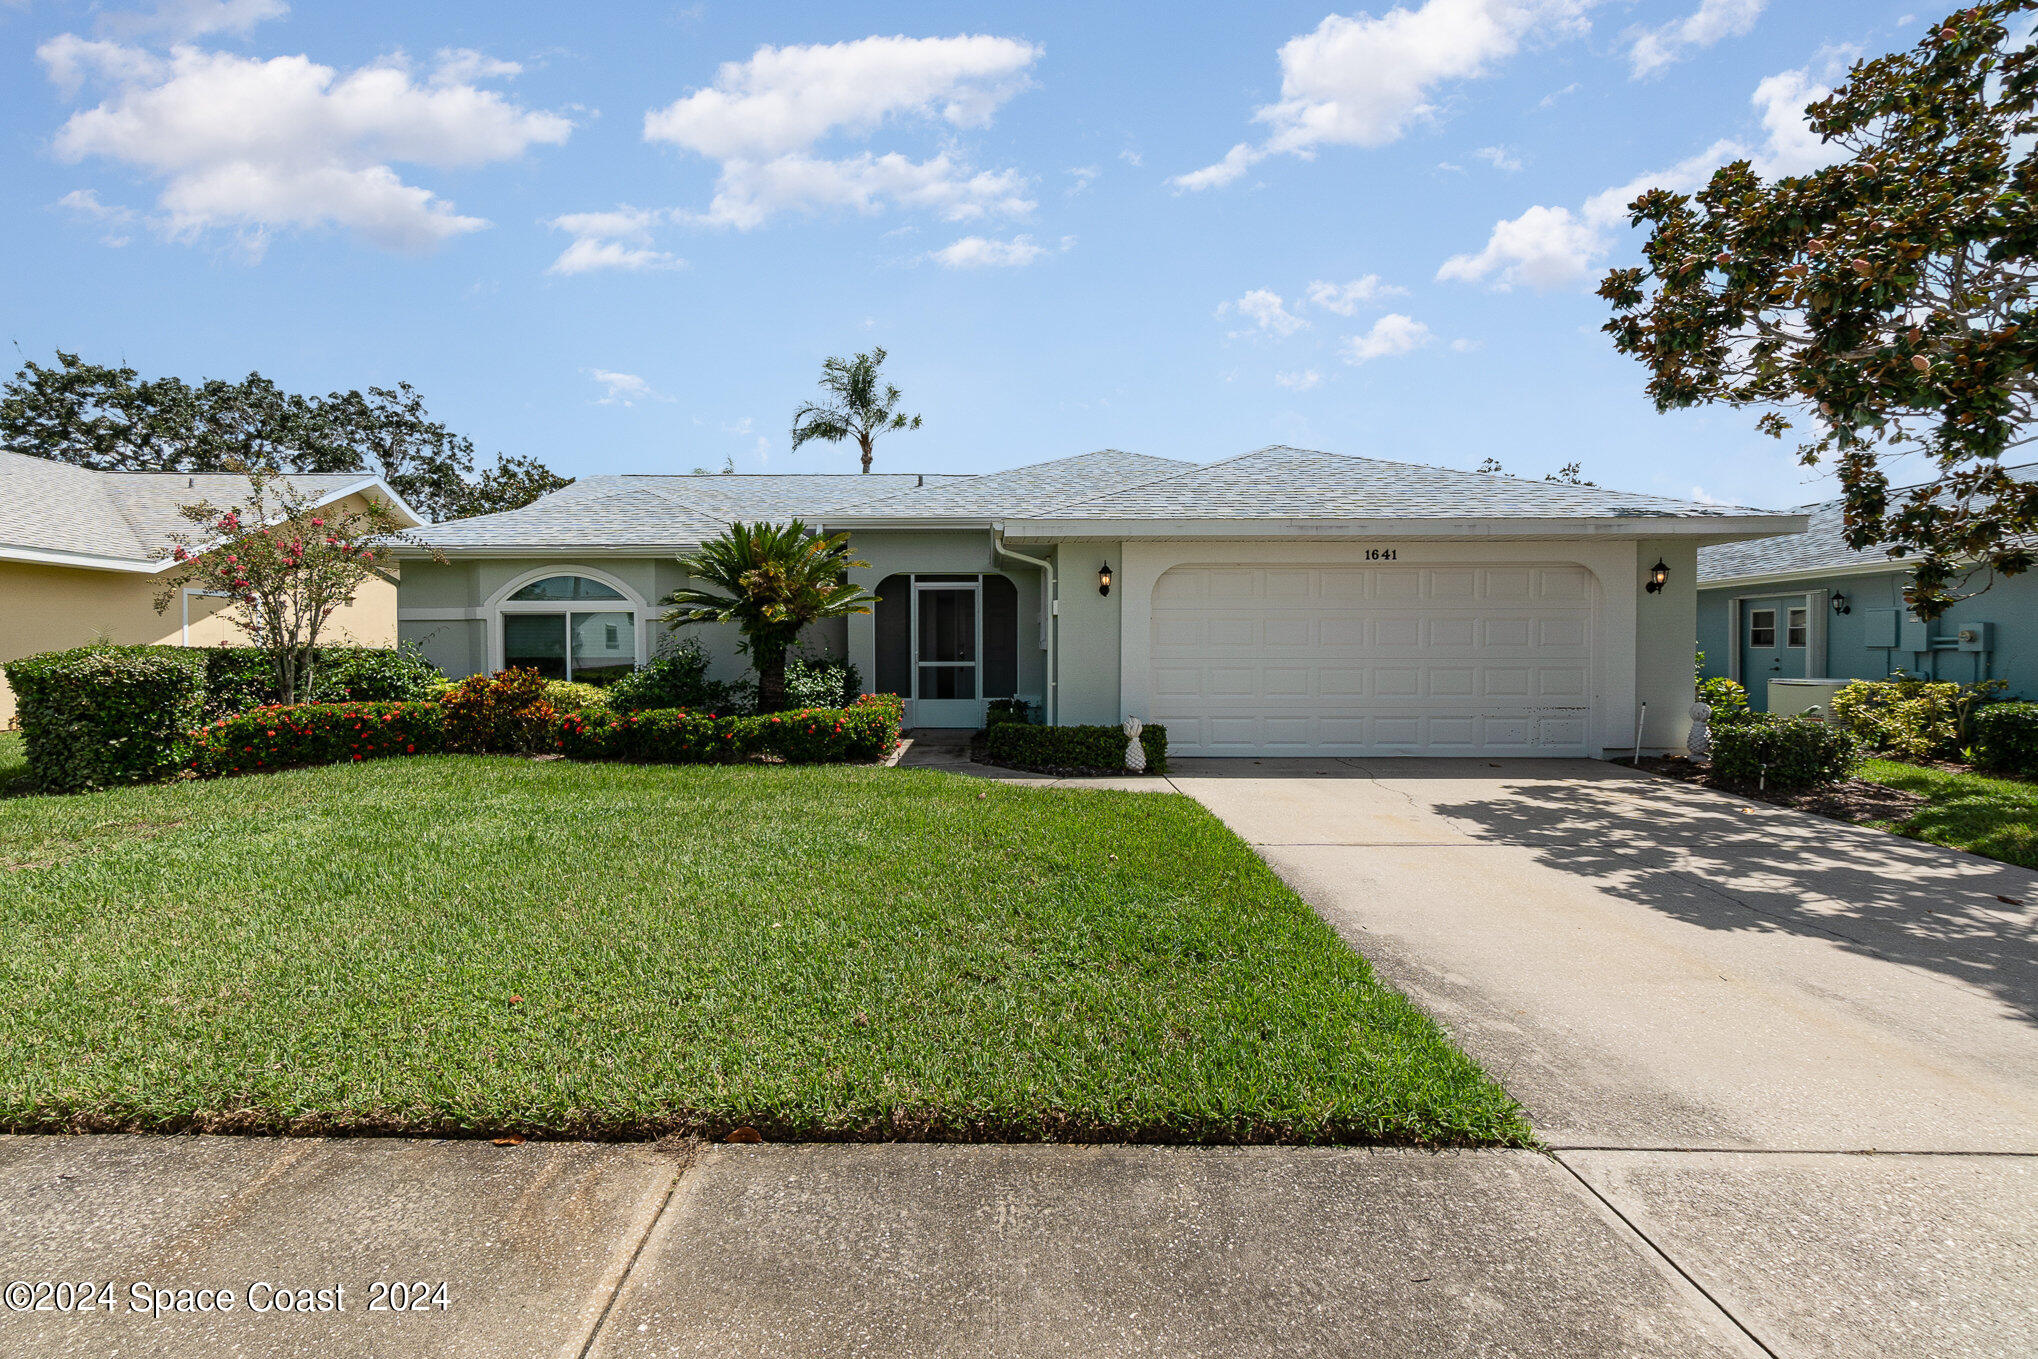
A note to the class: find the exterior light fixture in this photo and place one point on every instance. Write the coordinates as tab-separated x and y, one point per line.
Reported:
1104	579
1840	604
1659	575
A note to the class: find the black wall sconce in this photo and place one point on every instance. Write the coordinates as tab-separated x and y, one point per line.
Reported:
1104	579
1659	575
1840	604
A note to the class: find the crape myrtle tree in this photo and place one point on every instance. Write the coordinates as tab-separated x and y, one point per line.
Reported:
857	407
115	420
286	562
1886	298
771	581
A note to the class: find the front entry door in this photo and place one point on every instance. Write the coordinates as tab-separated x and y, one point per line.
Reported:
948	636
1775	637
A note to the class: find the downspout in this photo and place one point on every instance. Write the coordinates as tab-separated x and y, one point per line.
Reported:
1049	617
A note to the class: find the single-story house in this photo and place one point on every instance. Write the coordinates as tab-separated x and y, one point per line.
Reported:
1283	602
1807	606
83	555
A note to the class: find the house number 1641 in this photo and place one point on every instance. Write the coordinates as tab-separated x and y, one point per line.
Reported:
1379	554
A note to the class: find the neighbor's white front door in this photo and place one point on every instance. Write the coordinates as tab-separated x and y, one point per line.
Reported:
1444	659
948	646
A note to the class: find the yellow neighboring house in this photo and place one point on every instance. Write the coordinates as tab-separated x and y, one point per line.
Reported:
83	556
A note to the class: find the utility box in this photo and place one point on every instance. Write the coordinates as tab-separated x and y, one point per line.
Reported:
1789	697
1976	637
1914	634
1878	629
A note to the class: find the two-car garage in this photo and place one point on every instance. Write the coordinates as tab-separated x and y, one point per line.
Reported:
1379	658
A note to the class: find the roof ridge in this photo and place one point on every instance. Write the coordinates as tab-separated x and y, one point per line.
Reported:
879	502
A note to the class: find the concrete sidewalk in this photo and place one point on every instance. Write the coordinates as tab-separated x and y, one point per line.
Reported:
628	1251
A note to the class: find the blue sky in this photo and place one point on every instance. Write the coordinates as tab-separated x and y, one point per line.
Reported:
622	237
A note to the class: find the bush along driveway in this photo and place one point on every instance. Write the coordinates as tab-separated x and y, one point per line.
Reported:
468	945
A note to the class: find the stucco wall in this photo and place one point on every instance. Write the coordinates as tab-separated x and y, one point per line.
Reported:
51	608
959	553
1090	640
1666	626
2011	604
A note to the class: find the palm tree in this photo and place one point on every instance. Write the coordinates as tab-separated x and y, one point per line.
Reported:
770	580
857	409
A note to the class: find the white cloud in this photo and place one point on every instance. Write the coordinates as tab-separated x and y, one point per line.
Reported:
1713	21
762	120
182	20
622	389
1556	247
1362	80
252	145
1082	177
1464	346
1550	100
85	204
1266	310
1500	158
1299	382
619	238
1346	298
464	66
1392	334
978	252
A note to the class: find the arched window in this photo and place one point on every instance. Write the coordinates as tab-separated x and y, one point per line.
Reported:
569	626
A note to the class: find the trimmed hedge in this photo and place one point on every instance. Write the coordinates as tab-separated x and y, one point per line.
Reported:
239	679
866	731
503	713
316	733
2006	737
102	715
1788	752
1058	748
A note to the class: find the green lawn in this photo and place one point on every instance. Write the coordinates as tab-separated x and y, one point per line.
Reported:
477	946
13	763
1995	817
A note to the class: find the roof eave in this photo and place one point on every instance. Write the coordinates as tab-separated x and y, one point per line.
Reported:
1721	529
1800	573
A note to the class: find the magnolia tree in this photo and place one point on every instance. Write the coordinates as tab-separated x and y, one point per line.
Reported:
286	563
1886	298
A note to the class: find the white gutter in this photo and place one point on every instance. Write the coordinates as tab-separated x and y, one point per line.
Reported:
1050	611
1724	528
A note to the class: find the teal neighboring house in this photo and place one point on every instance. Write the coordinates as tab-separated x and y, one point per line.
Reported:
1807	606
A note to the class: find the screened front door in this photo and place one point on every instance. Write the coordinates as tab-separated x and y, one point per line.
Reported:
948	641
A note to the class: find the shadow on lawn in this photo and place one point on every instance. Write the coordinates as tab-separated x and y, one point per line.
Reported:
1726	863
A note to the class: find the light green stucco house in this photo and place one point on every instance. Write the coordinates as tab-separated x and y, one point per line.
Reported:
1284	602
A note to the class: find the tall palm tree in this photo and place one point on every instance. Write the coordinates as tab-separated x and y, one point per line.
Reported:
770	580
857	408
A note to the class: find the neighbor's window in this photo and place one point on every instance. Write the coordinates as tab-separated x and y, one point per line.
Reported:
1762	627
1795	627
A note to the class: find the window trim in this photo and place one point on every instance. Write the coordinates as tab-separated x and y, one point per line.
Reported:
1756	625
1797	623
631	603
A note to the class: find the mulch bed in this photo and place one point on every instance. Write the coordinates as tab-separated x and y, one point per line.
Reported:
1856	800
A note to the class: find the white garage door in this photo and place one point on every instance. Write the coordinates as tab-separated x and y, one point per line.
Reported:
1419	660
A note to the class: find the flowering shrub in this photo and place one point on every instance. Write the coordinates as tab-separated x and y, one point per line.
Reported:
503	713
315	733
1913	719
865	731
103	715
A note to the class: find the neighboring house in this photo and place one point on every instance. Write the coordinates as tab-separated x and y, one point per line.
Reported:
1283	602
83	555
1807	606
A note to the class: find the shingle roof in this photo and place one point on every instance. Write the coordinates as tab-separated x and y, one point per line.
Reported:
128	516
1821	547
660	511
1299	483
1019	491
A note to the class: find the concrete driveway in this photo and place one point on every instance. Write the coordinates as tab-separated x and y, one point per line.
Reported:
1800	1057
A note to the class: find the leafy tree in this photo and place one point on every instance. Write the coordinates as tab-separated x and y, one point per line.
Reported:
856	408
1570	474
1887	297
771	581
113	419
286	563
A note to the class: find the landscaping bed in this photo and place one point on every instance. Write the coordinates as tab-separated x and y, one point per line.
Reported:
490	946
1938	802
